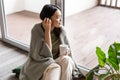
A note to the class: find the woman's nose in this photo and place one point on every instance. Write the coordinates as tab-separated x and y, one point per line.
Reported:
60	19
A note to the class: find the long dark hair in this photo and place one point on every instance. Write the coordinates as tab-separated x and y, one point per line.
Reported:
47	12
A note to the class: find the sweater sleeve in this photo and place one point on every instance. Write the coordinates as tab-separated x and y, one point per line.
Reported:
39	50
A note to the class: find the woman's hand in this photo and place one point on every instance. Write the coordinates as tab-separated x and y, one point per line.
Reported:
67	51
47	24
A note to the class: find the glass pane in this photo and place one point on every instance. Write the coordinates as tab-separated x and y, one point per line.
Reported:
118	3
113	2
0	30
0	19
21	17
108	2
103	2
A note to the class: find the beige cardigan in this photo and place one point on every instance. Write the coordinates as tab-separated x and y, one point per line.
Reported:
40	56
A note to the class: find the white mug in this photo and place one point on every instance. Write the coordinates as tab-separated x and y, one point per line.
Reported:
63	49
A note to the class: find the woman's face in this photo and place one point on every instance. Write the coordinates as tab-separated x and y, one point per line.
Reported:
56	19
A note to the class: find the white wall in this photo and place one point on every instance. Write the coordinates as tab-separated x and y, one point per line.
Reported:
71	6
12	6
75	6
35	5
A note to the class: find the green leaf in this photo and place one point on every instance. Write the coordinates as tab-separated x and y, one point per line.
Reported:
117	46
101	56
112	56
113	64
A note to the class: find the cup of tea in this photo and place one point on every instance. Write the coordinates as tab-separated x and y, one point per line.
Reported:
63	49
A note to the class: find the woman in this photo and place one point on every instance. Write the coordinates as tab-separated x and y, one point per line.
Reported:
45	62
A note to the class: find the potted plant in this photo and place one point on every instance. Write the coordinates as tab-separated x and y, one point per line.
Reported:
108	68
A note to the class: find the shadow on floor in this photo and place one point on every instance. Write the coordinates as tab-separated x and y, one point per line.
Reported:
11	77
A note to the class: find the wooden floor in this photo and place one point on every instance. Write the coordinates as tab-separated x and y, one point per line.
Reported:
10	57
20	24
98	26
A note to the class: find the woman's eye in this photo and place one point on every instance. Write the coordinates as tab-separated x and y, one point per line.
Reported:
59	17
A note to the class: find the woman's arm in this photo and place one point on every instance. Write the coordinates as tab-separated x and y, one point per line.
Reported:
47	26
48	39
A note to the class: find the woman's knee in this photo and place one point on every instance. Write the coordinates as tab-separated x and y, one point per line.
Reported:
54	66
66	60
52	70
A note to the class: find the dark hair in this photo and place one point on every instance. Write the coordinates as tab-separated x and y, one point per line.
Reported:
48	11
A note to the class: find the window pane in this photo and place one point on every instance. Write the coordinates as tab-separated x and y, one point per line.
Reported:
0	30
21	17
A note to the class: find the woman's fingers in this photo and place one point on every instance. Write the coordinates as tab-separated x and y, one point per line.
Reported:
47	21
67	51
47	24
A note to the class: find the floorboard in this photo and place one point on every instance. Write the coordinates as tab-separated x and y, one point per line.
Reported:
10	58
